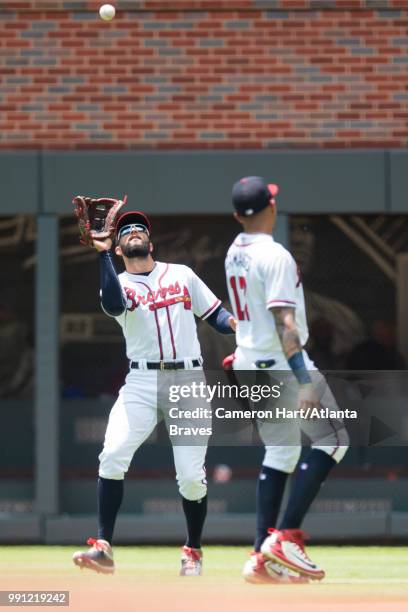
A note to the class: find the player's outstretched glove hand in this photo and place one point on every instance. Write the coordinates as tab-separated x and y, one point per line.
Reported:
96	218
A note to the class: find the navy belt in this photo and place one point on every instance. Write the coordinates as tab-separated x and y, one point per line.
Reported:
164	365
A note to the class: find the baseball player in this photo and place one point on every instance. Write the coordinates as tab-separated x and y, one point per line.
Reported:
267	299
155	304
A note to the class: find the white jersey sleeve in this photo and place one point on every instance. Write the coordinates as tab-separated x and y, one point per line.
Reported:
281	280
203	299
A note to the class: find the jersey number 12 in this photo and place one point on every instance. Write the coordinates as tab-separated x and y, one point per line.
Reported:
239	287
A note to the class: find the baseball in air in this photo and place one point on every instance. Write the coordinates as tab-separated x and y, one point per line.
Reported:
107	12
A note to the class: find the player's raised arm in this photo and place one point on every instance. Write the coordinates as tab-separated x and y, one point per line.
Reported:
97	219
112	298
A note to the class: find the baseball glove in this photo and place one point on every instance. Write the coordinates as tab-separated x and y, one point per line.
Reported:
96	217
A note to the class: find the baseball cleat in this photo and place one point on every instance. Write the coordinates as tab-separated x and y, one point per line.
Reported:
98	558
287	548
260	570
191	561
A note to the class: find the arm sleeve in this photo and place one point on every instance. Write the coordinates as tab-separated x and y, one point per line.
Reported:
281	278
219	320
203	299
113	300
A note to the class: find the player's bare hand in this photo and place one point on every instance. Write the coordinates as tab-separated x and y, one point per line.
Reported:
233	323
307	400
102	245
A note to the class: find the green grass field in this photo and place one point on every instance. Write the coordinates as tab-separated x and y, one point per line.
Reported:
365	578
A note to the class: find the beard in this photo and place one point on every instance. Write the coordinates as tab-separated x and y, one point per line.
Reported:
139	250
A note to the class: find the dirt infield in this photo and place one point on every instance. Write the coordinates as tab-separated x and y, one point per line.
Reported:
146	579
208	595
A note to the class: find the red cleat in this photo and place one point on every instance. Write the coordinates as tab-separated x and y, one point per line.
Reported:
287	548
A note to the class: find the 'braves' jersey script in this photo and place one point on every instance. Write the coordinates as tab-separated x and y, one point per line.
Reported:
262	274
158	323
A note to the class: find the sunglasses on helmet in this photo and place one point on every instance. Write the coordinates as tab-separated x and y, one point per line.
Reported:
132	227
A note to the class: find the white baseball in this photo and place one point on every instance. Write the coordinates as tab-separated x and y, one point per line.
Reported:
107	12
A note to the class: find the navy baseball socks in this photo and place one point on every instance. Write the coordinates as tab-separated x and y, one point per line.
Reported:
286	544
110	495
99	557
195	513
191	557
308	479
269	494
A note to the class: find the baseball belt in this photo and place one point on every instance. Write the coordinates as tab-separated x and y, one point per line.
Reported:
164	365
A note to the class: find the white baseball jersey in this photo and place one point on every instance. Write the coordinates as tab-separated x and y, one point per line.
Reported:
158	323
262	274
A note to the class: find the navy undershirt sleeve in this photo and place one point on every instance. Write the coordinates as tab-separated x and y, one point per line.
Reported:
219	320
112	298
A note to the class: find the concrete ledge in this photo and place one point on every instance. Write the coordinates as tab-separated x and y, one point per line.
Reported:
311	180
225	529
164	529
341	526
24	529
399	524
220	528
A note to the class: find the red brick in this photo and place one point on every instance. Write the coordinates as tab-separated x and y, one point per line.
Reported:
349	133
59	107
306	106
359	106
376	115
210	116
362	69
187	136
349	116
73	116
168	106
322	59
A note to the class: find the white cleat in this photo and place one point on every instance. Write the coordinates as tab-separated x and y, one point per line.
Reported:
98	558
287	548
191	561
260	570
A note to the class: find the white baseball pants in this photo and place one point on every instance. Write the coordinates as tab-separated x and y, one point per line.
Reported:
133	418
282	440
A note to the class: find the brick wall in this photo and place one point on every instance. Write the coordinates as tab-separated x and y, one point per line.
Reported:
236	74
